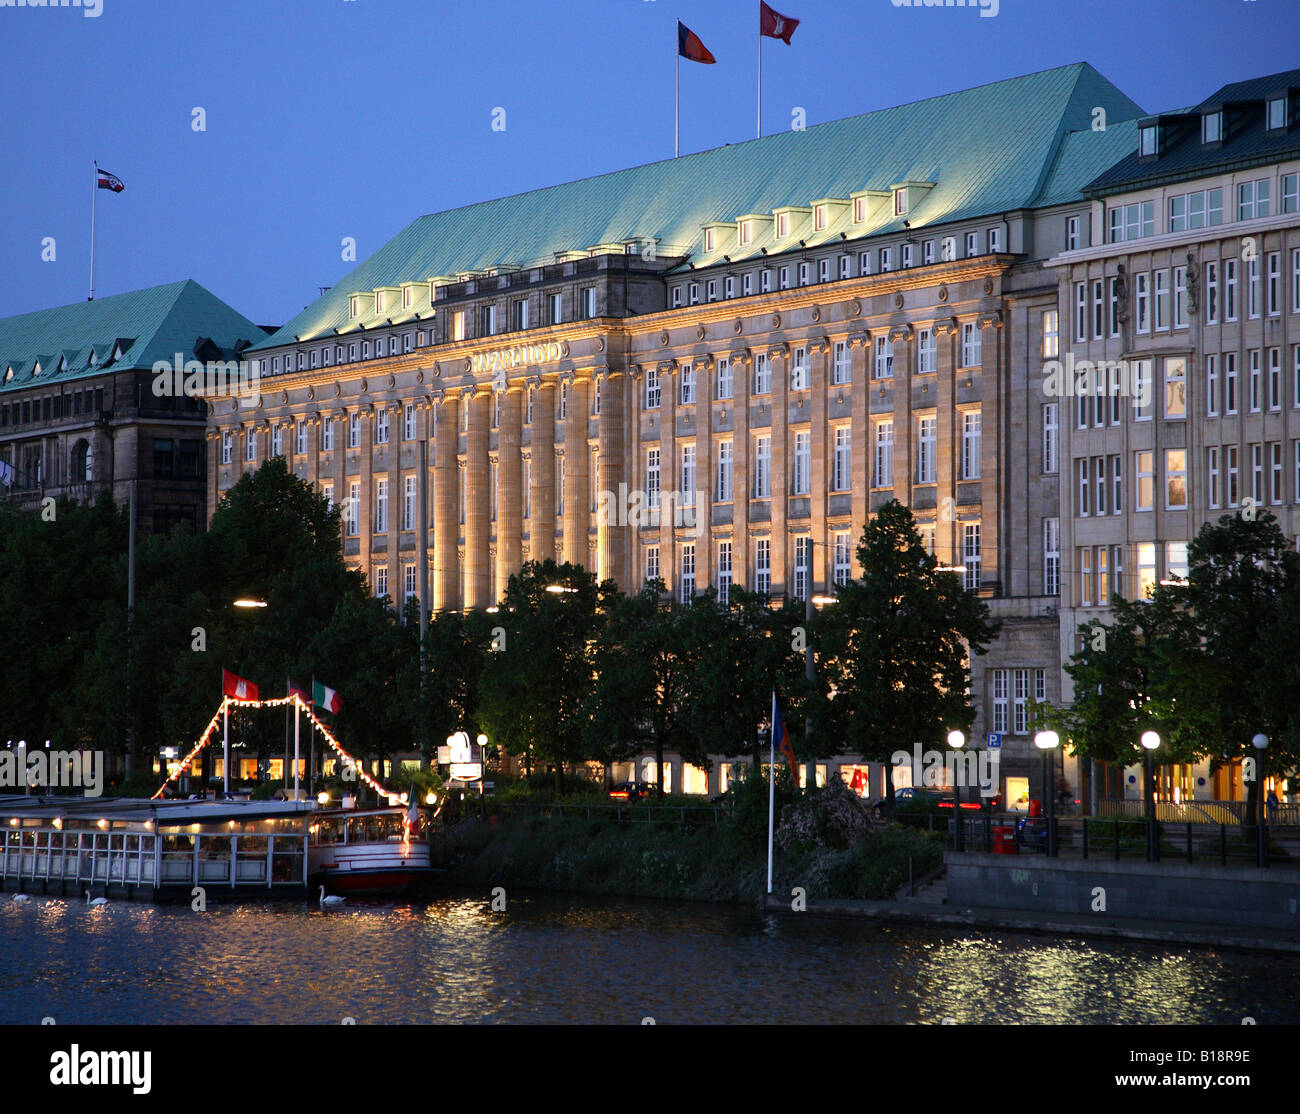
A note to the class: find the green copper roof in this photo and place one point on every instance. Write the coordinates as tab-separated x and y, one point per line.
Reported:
988	149
72	342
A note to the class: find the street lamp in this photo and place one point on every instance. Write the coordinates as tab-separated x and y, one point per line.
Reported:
1150	740
1047	742
810	675
250	603
559	589
957	740
1260	743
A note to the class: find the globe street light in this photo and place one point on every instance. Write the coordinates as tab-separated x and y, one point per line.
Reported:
957	740
1047	742
1150	740
1260	743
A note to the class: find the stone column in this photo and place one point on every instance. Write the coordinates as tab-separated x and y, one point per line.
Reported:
612	539
863	443
509	493
541	528
446	530
213	437
670	386
478	566
742	371
338	466
822	445
947	534
904	420
992	541
782	476
366	477
577	456
705	474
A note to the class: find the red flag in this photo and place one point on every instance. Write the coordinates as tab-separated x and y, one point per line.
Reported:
236	687
689	45
775	25
107	181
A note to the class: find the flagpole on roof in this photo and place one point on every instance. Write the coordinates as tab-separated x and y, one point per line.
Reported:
677	99
94	190
759	130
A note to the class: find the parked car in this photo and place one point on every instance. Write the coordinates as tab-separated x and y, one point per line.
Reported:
631	791
918	798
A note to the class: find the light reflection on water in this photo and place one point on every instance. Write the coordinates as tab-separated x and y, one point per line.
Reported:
579	959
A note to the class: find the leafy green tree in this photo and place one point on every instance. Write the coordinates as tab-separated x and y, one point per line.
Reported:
535	692
898	643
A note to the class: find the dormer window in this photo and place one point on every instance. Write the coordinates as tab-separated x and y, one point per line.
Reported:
1212	127
900	202
859	209
354	307
381	298
746	231
782	225
406	298
1147	140
1275	114
819	218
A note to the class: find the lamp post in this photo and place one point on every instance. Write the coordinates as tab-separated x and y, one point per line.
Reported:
810	675
957	740
1150	740
1047	742
1260	743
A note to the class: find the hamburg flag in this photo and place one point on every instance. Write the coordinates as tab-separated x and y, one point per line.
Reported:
689	45
775	25
236	687
109	181
325	697
301	693
781	737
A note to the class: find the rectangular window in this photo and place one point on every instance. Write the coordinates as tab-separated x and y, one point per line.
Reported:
1073	240
883	470
1103	578
1230	290
327	435
886	260
1097	310
970	555
763	565
972	244
1273	284
724	471
1275	379
711	290
724	572
1144	479
762	375
864	263
802	567
1084	505
1180	297
1176	479
1290	193
1257	473
408	502
925	351
783	278
1162	300
250	445
1051	347
764	281
799	374
1211	293
1099	484
884	358
1144	389
381	581
999	696
559	483
652	562
354	431
1132	222
747	284
1051	437
688	476
1080	311
907	255
1175	387
1141	303
729	287
687	376
563	401
1253	199
1083	566
381	427
1051	556
841	546
970	345
1275	472
763	466
519	314
277	440
652	388
354	509
1230	382
589	302
300	437
1020	702
725	383
1232	475
1252	361
1212	386
1212	477
381	506
1116	484
687	585
970	445
1146	557
925	450
408	423
1295	280
927	252
841	469
652	477
804	271
1252	287
802	463
840	364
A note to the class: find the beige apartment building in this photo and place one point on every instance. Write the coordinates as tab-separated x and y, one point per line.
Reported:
713	370
1187	284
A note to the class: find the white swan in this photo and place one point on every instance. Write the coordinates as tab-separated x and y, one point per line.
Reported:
21	898
97	901
331	902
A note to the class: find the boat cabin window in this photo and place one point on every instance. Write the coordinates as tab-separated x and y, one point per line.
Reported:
328	831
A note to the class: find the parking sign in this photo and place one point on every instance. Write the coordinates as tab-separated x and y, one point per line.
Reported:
995	740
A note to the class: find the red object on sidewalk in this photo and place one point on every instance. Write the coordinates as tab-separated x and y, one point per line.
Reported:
1035	807
1004	839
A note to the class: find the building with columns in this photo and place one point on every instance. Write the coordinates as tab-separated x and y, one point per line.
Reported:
714	369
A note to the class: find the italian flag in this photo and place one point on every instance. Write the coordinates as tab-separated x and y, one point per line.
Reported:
325	697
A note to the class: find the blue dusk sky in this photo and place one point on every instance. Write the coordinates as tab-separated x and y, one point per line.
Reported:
326	119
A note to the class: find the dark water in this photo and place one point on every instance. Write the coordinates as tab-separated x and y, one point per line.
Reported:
577	959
